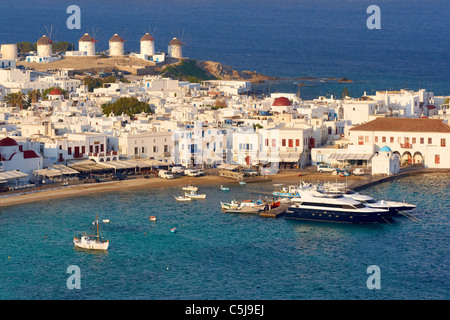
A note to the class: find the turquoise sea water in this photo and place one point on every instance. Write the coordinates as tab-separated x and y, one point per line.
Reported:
214	255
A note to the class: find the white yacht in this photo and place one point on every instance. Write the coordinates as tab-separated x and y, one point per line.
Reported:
320	206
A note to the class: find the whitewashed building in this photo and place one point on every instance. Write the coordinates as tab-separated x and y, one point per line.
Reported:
385	162
13	157
414	140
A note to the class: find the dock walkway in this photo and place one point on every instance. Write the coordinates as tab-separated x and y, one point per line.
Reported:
274	213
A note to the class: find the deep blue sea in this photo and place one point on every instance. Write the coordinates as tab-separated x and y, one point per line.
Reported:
282	38
215	255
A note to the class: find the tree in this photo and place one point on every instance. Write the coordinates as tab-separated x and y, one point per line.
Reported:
92	83
25	47
109	79
446	101
33	96
126	105
345	93
17	99
62	46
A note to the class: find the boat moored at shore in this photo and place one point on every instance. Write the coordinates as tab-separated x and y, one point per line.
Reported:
313	205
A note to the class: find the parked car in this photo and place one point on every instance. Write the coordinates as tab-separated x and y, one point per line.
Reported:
119	176
358	171
325	168
178	169
249	172
192	173
165	174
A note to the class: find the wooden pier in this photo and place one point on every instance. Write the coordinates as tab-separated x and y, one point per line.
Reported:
274	213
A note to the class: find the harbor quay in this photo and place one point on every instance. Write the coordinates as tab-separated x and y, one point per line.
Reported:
82	125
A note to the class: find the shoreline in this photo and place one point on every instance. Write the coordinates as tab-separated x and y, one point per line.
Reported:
355	182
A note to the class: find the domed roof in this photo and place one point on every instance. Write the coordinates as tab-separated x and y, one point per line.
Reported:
8	142
86	38
116	38
147	37
282	102
43	40
55	92
175	41
385	149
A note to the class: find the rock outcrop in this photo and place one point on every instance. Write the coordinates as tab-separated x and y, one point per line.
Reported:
225	72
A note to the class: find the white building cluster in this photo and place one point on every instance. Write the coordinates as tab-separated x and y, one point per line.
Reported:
214	122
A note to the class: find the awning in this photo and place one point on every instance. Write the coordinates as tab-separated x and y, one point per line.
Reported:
119	164
228	166
63	169
88	166
55	171
49	173
350	156
12	174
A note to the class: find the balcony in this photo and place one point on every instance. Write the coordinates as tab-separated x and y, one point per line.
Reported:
406	145
104	156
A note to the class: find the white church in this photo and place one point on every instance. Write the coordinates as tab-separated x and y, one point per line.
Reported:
385	162
13	157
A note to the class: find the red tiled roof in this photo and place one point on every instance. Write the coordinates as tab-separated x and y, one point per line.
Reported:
404	125
55	92
8	142
27	154
282	101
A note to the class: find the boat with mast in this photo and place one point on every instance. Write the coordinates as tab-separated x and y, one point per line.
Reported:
91	240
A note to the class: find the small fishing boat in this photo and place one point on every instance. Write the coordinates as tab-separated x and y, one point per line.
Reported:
173	230
242	182
182	198
106	221
246	206
274	204
152	218
194	195
190	187
230	205
91	240
224	188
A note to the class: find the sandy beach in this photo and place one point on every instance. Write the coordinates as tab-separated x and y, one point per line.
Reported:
141	183
287	177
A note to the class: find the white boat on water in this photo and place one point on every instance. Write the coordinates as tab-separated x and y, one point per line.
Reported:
319	206
194	195
190	187
393	206
182	198
92	239
246	206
